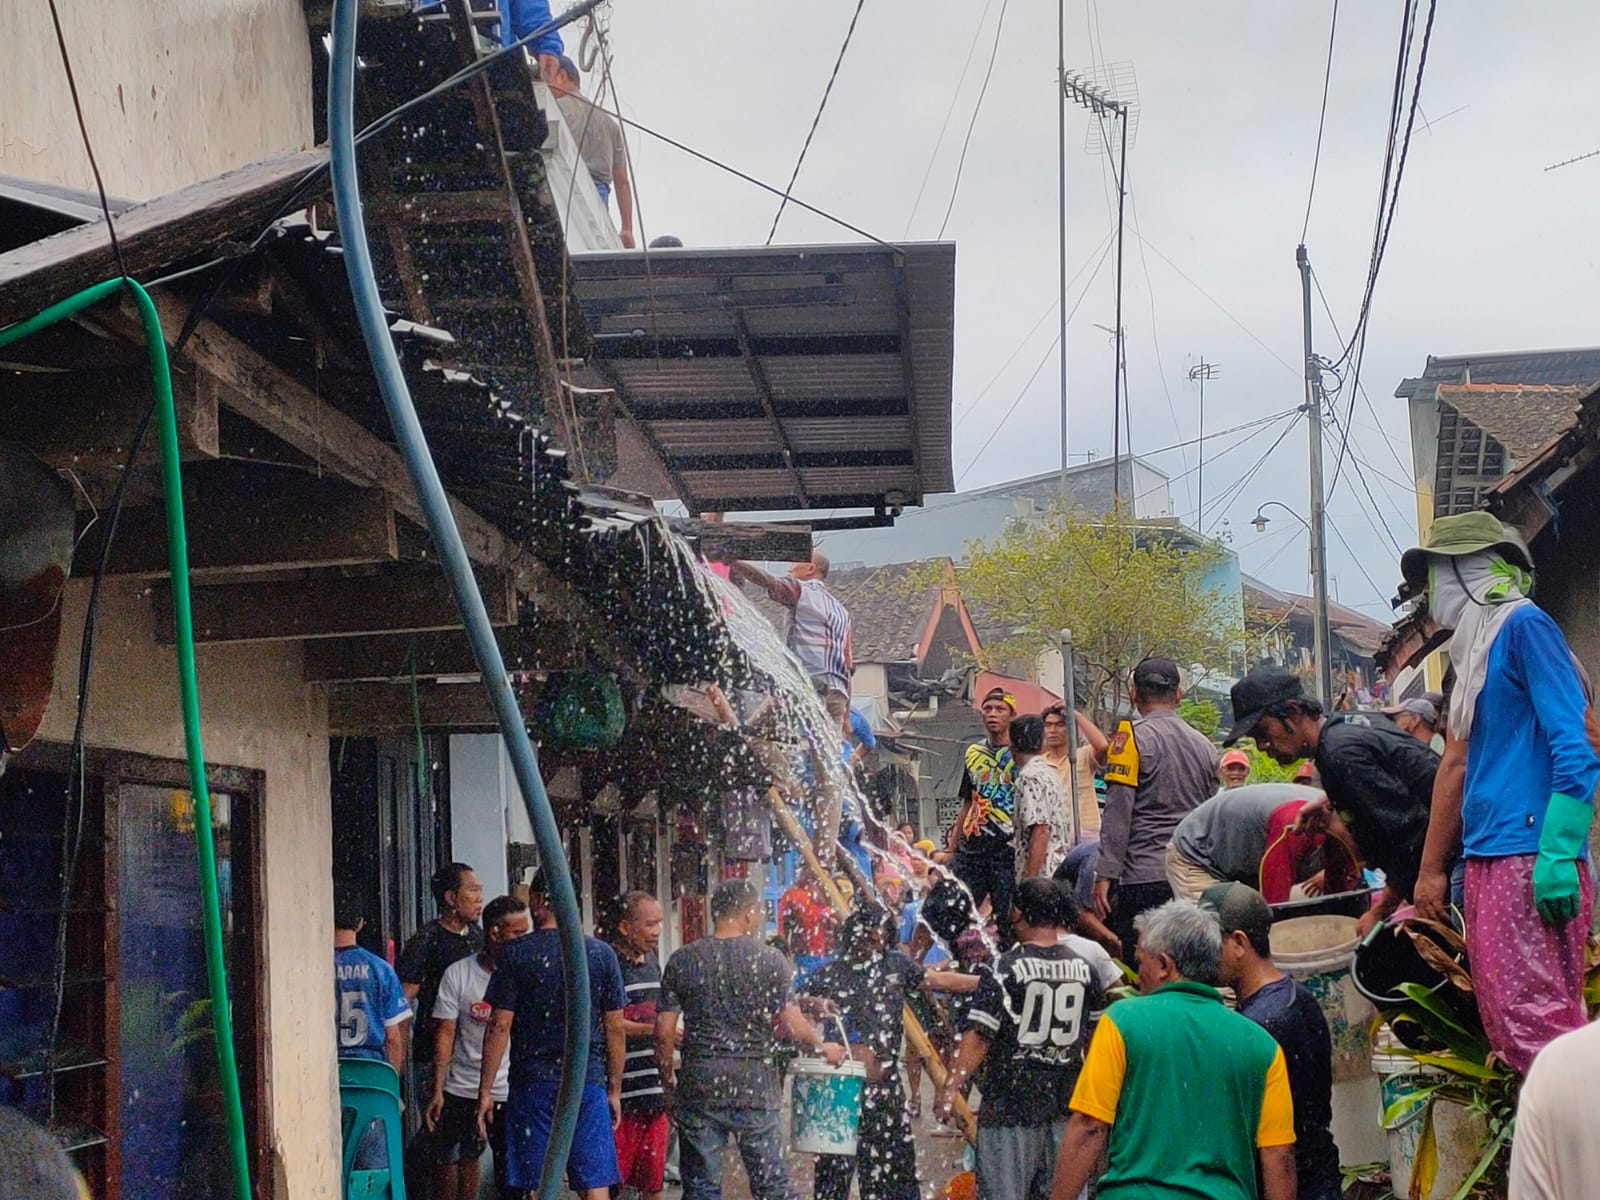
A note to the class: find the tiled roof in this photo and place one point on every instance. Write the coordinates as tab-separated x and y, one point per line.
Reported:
1356	629
1521	417
887	615
1575	366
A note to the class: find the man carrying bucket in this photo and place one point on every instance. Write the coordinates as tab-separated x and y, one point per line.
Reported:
869	983
732	990
1516	788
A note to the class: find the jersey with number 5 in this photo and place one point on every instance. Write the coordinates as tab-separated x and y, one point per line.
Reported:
1036	1010
367	1000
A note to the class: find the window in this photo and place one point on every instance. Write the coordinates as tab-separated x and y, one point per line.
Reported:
1469	461
133	1080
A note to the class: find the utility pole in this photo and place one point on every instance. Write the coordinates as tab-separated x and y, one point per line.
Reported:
1199	373
1103	105
1321	639
1061	200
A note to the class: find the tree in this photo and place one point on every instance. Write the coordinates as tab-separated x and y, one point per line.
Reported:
1202	714
1124	588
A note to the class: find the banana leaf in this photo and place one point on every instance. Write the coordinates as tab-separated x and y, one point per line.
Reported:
1425	1166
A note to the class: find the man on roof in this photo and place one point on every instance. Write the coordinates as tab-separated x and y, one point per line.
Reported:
1516	788
819	625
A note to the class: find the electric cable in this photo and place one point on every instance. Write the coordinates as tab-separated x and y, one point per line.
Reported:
457	567
1334	324
972	48
971	406
961	163
88	146
1236	489
1383	596
1048	353
1322	118
1155	338
816	120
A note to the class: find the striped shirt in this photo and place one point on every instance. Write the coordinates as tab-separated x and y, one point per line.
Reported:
641	1079
819	631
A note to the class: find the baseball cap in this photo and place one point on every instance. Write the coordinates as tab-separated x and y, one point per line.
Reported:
1305	772
999	693
1157	671
1235	758
1237	907
1418	706
925	845
1266	684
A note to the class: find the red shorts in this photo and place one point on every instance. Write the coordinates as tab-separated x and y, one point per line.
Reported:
642	1150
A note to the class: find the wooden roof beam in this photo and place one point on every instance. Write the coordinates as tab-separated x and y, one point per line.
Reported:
411	600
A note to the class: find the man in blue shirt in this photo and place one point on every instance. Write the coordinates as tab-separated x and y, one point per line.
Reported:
522	18
370	1011
527	997
1516	786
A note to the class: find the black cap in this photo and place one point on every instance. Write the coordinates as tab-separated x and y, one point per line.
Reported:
1266	684
1155	671
1238	907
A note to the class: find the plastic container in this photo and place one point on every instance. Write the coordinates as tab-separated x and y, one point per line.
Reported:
1458	1131
1316	951
826	1110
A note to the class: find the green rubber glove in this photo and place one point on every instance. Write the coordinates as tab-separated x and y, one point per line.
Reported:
1555	871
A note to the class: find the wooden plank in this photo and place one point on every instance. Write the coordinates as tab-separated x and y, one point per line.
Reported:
749	541
259	521
436	208
331	606
533	646
192	221
86	419
363	709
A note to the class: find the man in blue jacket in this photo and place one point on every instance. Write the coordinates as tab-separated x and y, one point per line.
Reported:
522	18
1516	786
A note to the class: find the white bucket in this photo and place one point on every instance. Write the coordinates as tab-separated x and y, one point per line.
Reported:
1458	1131
1317	951
826	1108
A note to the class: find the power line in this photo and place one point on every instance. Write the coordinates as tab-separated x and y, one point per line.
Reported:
971	406
88	146
1360	387
972	48
1155	337
1049	351
1236	489
1382	595
983	91
816	120
1322	117
1217	304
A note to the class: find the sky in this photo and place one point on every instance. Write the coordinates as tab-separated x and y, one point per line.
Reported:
1489	251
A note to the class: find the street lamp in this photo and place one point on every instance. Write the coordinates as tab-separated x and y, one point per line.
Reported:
1260	519
1321	637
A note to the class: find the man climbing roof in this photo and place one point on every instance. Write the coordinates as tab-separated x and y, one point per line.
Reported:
819	625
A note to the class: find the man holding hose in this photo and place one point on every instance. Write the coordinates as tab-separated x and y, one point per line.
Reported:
1516	787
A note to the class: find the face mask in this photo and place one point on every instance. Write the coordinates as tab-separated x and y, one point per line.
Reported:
1447	599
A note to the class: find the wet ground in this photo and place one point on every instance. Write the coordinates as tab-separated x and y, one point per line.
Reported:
938	1159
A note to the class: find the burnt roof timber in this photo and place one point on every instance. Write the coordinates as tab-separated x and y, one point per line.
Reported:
183	224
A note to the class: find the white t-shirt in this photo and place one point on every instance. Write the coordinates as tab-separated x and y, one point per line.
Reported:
461	992
1556	1155
1106	972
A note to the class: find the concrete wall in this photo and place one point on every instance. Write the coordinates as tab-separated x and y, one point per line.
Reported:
174	91
256	713
480	775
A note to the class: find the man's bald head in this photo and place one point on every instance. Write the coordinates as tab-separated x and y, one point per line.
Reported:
819	560
816	568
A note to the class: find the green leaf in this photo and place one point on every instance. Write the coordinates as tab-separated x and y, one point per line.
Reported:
1460	1066
1404	1104
1425	1166
1442	1023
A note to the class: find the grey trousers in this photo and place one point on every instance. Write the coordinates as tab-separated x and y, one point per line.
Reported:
1018	1162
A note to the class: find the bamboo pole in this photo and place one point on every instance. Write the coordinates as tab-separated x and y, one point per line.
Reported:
915	1034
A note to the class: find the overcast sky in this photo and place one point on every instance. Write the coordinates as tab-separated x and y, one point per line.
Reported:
1489	252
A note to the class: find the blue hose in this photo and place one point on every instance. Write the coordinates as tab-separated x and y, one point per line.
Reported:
458	570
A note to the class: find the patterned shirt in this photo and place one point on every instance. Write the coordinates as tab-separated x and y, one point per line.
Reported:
819	631
1041	800
988	781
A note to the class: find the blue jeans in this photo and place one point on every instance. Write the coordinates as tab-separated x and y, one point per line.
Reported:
702	1134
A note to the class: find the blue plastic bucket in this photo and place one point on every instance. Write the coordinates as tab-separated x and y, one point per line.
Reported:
826	1112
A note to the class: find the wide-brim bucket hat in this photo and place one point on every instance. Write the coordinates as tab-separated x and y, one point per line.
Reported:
1460	535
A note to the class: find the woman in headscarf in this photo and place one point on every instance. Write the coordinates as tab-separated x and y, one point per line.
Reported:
1516	786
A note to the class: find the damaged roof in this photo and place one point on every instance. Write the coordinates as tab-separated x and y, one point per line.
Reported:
1522	417
1572	366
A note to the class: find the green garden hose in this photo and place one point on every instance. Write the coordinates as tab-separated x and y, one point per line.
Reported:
183	626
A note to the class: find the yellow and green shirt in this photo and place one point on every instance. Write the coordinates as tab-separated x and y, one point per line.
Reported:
1190	1091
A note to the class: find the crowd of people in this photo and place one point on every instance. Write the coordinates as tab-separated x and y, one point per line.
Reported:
1002	937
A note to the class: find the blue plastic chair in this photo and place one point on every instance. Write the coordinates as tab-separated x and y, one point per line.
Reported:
370	1091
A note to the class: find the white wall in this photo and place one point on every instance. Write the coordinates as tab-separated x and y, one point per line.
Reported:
174	91
479	773
256	712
